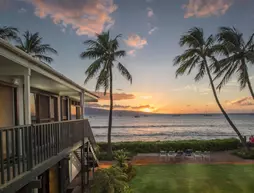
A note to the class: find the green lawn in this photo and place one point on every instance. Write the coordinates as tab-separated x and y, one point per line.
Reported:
191	178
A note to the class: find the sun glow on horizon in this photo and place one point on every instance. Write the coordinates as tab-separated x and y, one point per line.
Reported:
147	110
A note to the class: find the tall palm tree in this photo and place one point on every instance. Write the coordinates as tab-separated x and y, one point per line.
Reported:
105	51
239	54
200	54
32	44
8	33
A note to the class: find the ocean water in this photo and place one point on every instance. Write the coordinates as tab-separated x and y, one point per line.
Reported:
171	127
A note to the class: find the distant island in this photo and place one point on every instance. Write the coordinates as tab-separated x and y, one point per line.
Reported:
89	111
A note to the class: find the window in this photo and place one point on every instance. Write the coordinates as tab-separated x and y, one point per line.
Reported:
73	112
64	109
44	107
7	110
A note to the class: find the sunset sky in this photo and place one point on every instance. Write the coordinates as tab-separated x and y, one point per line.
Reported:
151	30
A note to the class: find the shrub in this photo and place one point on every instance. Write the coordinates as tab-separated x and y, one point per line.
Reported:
120	157
112	179
130	171
103	156
153	147
244	154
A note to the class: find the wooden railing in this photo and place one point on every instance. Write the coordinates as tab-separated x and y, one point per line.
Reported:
24	147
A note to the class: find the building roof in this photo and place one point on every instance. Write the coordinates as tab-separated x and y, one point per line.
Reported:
44	66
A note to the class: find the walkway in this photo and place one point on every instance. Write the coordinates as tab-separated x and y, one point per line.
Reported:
153	158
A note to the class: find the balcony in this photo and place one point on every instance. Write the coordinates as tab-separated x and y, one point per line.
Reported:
28	150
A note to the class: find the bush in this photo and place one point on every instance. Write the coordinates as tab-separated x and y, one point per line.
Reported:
244	154
103	156
153	147
130	171
121	157
111	179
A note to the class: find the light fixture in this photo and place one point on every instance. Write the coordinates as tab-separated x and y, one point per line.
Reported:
15	81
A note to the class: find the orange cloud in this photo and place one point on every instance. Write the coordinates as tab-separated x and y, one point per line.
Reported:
136	41
116	96
205	8
132	52
86	17
246	101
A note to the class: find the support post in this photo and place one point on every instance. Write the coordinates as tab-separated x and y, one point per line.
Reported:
27	87
82	106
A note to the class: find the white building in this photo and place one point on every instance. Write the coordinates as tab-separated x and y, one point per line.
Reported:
41	124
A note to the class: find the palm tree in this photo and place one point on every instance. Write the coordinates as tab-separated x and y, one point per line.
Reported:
110	180
200	52
105	51
8	33
238	55
32	44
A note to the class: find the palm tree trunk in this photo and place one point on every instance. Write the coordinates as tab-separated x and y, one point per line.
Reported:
223	111
110	153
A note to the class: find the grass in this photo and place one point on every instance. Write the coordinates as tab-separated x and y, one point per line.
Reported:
194	178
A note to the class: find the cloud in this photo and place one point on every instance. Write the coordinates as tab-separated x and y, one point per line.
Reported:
116	96
86	17
142	107
96	105
135	41
246	101
205	8
22	10
152	30
146	97
120	107
132	52
150	12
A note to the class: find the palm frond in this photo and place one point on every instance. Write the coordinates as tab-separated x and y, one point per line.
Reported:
8	33
47	59
125	73
201	71
32	44
120	54
193	38
93	69
228	72
92	53
243	76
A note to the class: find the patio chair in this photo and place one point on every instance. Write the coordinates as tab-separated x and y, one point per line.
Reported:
163	155
171	155
179	155
188	153
198	155
207	155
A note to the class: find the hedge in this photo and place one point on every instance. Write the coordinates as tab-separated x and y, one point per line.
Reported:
153	147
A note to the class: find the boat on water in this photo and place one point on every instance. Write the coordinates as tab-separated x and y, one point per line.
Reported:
136	116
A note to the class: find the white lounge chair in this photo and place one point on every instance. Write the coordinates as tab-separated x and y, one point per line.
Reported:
198	155
163	155
171	155
207	155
